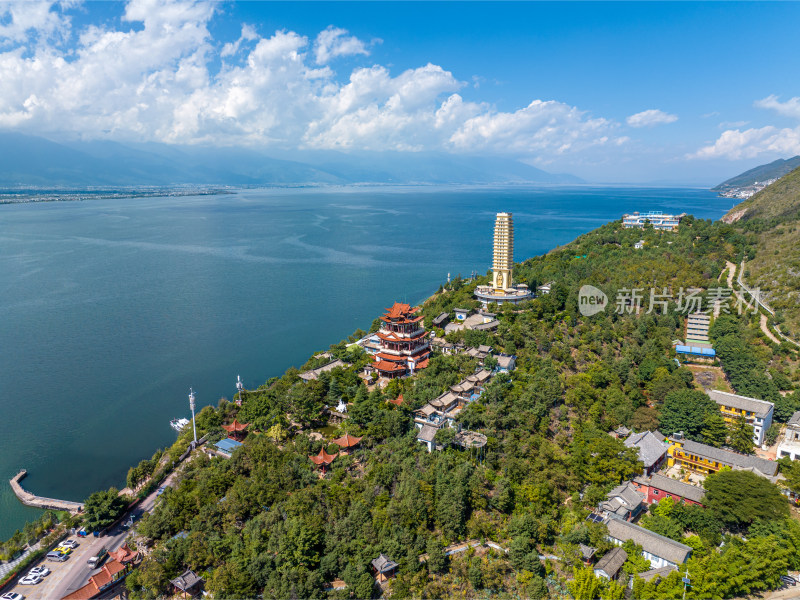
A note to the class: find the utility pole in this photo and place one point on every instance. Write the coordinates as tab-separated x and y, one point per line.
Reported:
685	582
192	406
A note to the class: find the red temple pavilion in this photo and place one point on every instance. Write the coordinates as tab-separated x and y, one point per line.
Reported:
236	430
323	459
396	401
404	342
124	555
347	441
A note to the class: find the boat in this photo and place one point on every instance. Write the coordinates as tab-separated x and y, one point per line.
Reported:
178	424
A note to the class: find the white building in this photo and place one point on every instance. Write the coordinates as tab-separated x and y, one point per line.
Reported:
757	412
790	446
657	219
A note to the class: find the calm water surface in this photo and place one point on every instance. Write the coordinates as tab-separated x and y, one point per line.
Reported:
111	309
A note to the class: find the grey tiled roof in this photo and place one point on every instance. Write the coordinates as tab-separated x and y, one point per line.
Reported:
383	563
612	561
655	544
186	580
761	408
767	467
663	573
795	420
427	433
677	488
651	449
587	552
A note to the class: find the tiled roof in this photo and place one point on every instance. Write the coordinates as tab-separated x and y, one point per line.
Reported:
347	441
612	561
427	433
677	488
651	449
385	365
761	408
186	580
323	458
767	467
383	563
663	573
235	427
441	318
587	552
655	544
123	554
795	420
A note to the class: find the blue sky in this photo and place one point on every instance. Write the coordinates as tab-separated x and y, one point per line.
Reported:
621	92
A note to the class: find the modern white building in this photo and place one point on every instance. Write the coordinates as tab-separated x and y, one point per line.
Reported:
790	445
757	412
658	220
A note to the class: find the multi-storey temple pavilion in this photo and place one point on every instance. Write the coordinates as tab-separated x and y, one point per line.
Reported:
503	289
403	340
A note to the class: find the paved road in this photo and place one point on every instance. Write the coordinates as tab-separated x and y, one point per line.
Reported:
68	576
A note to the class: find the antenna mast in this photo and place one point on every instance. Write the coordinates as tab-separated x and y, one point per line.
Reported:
192	406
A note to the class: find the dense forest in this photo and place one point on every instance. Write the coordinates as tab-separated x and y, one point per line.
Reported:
266	524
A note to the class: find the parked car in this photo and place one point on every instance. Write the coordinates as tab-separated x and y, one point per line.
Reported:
57	556
160	491
41	571
30	580
69	544
63	549
12	596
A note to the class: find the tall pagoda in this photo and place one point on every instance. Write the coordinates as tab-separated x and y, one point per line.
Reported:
404	342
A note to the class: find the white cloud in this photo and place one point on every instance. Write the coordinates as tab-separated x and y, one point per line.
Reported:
650	118
333	42
20	19
734	144
152	82
733	124
790	108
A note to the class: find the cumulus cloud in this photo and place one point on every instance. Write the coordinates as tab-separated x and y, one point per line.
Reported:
334	42
650	118
21	19
153	81
734	144
790	108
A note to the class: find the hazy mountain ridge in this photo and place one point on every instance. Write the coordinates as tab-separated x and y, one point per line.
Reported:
774	170
36	161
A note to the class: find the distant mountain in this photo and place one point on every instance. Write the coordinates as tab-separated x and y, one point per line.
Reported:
35	161
773	170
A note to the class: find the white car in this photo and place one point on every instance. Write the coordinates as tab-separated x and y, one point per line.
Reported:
40	571
12	596
69	544
30	580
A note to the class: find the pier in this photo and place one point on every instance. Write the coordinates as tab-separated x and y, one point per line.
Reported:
38	501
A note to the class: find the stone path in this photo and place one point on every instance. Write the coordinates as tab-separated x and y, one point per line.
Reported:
8	567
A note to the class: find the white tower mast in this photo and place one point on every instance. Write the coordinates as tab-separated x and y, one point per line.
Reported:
192	406
240	389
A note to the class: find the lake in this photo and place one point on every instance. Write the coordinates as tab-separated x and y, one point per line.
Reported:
112	309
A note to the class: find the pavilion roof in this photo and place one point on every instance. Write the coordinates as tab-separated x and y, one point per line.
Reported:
396	401
422	364
323	458
123	554
400	309
385	365
393	337
347	441
235	427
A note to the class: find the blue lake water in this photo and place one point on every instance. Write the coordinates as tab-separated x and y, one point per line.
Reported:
111	309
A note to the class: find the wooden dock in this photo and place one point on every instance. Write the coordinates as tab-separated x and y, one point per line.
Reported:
39	502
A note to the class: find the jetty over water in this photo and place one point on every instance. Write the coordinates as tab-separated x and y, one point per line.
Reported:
38	501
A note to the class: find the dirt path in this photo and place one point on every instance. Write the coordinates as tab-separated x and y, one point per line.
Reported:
731	268
766	330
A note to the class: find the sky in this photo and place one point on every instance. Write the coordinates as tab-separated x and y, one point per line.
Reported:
650	92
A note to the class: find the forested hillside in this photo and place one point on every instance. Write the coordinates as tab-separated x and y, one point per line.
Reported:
265	524
771	219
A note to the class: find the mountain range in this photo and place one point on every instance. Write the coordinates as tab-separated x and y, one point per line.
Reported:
36	161
774	170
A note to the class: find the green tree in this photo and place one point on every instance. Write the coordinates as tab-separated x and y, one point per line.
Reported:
437	561
686	410
740	435
741	497
772	434
585	586
715	430
101	509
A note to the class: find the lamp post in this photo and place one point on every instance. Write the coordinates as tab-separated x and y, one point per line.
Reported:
192	406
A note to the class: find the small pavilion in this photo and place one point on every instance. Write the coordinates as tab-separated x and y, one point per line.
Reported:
187	583
347	441
385	568
124	555
323	459
236	430
396	401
